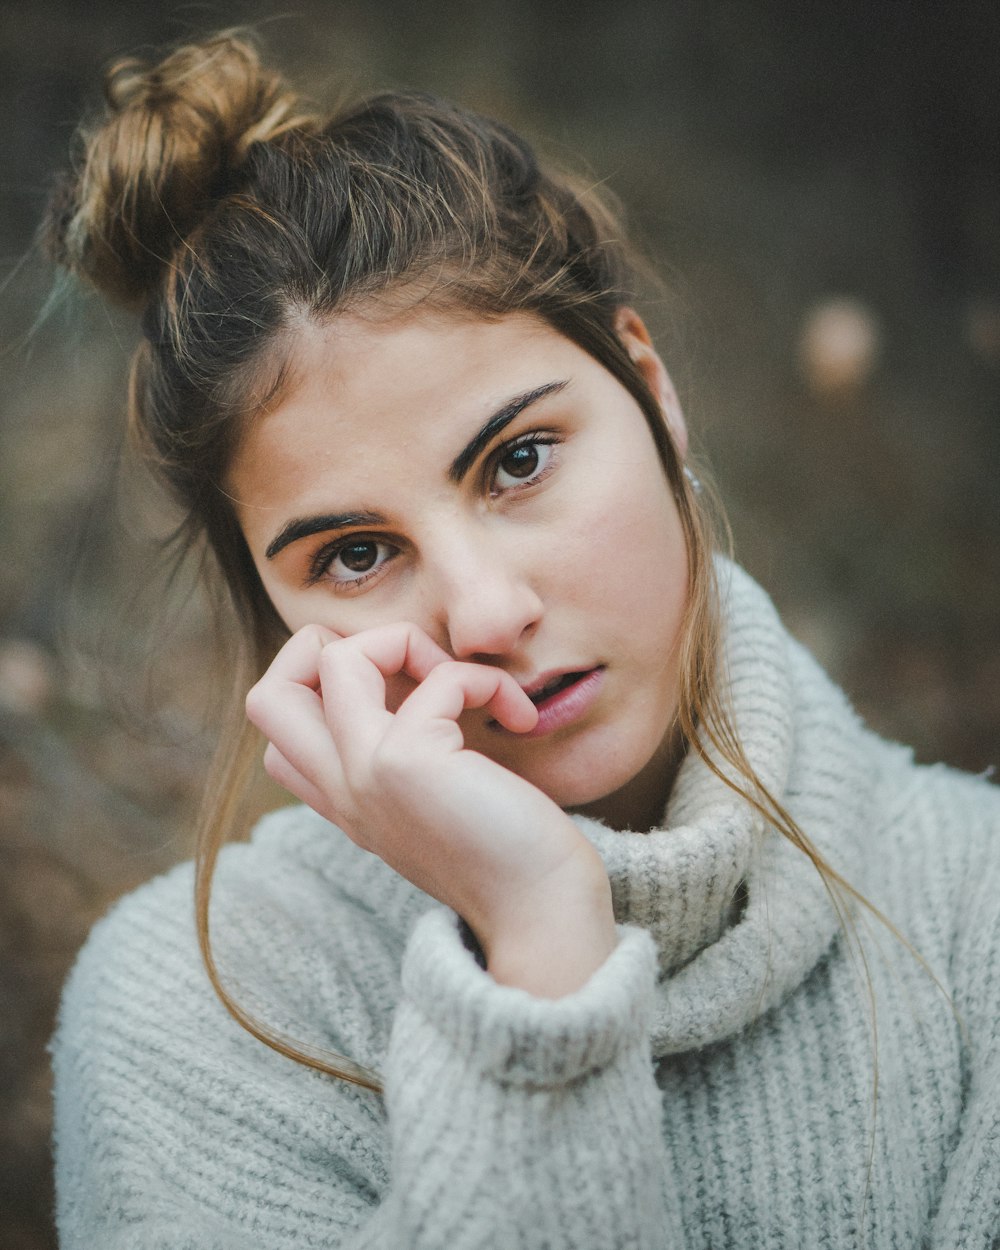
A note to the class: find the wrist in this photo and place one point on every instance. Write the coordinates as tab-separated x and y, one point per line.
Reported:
555	934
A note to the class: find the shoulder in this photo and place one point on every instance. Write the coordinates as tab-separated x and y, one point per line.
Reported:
307	930
163	1102
933	861
952	817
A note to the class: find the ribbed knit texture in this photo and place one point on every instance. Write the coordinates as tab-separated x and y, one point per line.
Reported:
711	1086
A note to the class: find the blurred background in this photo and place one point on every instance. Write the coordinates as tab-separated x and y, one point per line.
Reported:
819	187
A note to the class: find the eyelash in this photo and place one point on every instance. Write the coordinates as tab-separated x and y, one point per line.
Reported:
536	438
322	561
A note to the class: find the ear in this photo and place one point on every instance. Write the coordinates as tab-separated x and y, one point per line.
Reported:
631	329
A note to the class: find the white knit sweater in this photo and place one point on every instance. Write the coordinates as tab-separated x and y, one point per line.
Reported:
711	1086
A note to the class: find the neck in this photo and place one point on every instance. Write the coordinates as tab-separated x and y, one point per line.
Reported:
640	804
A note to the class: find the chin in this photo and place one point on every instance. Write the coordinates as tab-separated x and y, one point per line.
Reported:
618	780
579	783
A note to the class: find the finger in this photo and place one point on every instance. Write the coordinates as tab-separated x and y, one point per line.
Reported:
286	775
291	718
453	688
287	707
294	672
298	659
391	649
353	675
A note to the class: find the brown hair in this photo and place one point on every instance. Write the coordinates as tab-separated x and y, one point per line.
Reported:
210	200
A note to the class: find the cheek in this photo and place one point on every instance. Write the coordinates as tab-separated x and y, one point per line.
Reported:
627	554
298	610
292	608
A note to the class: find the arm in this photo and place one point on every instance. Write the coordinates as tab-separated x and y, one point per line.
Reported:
968	1215
517	1121
509	1120
401	785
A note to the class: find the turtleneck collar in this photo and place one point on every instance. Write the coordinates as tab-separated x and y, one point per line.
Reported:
739	915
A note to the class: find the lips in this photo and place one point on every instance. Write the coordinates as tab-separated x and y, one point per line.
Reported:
538	693
563	697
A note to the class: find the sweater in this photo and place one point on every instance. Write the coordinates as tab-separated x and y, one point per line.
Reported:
750	1068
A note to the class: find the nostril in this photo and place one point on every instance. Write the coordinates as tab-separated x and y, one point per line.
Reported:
488	611
487	636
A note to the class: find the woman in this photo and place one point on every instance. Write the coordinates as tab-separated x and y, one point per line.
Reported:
392	372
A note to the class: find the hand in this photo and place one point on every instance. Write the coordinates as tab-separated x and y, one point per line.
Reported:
402	785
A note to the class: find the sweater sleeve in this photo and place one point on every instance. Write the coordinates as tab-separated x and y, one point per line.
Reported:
507	1121
968	1216
541	1117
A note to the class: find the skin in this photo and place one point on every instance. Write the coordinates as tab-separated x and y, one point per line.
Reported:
397	709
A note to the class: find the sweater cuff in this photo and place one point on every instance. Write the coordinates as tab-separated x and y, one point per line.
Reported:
509	1034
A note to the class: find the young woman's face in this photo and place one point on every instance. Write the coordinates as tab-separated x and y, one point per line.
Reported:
492	483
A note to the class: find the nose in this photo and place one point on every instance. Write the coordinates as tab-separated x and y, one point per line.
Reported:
485	602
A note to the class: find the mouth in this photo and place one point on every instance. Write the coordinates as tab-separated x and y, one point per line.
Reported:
562	698
538	693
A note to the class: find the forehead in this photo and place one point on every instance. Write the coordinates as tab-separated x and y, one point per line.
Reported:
446	360
357	379
367	396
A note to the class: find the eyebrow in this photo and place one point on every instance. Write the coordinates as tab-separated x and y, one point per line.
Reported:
305	527
294	530
492	427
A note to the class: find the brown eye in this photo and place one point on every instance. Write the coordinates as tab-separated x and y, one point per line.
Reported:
521	461
521	464
351	565
359	557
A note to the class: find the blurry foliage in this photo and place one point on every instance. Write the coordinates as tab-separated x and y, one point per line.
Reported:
776	159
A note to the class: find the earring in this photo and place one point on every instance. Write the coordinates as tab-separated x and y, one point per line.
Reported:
693	482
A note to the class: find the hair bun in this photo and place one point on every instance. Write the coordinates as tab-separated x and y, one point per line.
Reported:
171	139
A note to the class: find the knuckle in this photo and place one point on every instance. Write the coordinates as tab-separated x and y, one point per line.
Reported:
256	702
462	672
333	657
402	627
315	633
392	759
275	764
448	671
